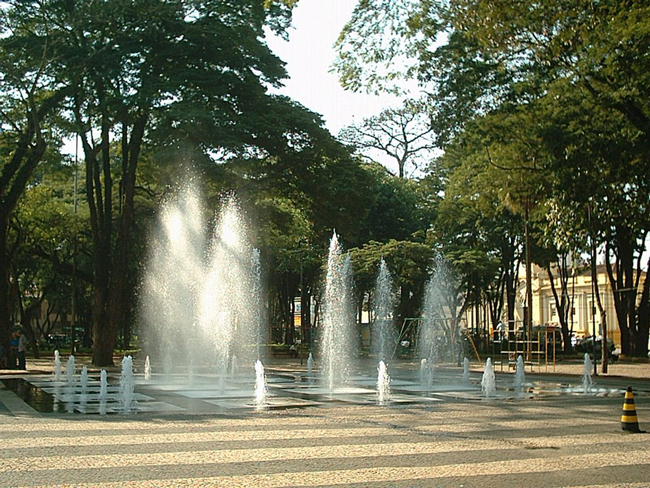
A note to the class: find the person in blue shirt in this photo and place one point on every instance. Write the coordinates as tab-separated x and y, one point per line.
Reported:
13	352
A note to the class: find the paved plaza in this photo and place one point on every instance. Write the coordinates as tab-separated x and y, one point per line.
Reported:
568	440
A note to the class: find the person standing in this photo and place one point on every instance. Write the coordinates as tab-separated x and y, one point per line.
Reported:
13	350
22	349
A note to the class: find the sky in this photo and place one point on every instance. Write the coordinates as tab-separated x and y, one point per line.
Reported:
310	54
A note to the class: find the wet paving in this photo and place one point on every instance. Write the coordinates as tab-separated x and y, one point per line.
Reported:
286	388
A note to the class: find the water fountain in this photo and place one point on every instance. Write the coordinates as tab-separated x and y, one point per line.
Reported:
435	339
261	390
127	384
466	370
427	373
383	384
488	382
57	366
201	299
384	335
84	380
147	369
70	371
587	381
520	374
203	320
338	342
103	392
84	385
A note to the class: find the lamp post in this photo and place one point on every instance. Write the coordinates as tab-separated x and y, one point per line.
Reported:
529	289
73	300
594	277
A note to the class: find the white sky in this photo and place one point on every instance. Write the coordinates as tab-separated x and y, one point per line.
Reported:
309	55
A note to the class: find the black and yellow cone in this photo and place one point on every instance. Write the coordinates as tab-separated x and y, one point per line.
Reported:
629	421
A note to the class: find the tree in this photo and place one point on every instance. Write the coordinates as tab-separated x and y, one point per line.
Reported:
179	65
404	134
52	260
409	264
602	197
30	94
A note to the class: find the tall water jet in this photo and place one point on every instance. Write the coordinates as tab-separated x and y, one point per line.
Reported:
520	374
465	370
103	392
438	336
57	366
384	335
488	382
127	384
257	318
587	381
231	297
383	384
174	279
338	337
202	299
147	369
261	390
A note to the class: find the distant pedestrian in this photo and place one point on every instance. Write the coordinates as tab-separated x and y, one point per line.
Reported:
501	330
22	349
13	350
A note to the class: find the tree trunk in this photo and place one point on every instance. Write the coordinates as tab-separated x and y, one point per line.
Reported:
624	288
561	305
6	325
119	273
643	317
305	316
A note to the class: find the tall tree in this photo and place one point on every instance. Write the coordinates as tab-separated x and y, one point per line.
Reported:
403	134
177	67
30	93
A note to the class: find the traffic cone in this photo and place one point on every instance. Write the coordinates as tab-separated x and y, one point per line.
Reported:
629	421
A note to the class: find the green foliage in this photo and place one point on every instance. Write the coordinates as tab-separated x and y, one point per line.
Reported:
409	264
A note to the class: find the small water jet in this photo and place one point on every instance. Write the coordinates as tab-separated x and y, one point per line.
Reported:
84	385
84	380
587	381
427	372
69	397
147	369
488	382
466	370
520	374
383	384
57	366
423	370
310	365
103	392
127	384
261	390
70	370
